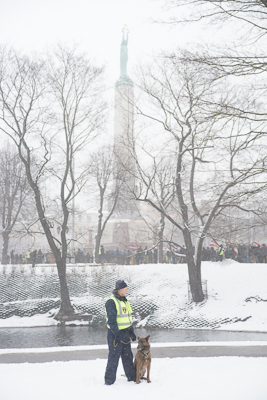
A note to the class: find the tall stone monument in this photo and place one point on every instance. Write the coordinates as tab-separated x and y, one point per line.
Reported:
125	230
124	136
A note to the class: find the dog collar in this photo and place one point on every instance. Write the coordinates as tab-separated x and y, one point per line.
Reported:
145	354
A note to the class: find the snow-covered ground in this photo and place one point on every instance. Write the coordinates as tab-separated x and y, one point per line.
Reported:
220	378
237	296
235	291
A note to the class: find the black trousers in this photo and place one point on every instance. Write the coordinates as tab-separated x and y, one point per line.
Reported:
119	349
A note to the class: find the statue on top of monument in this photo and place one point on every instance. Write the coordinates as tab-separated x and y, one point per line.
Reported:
124	79
124	51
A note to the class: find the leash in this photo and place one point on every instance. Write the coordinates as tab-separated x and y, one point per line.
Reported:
127	342
115	345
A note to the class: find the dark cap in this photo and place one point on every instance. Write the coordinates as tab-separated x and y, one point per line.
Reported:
120	285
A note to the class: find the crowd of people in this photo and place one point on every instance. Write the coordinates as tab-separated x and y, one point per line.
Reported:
125	257
30	257
241	253
140	256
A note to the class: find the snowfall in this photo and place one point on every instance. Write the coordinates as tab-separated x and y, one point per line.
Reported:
230	285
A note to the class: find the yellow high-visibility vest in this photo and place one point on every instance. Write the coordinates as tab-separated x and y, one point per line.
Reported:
124	313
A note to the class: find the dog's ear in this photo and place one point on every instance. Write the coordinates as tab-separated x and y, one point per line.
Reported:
147	337
138	337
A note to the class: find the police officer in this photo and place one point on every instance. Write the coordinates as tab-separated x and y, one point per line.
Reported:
120	334
220	252
28	257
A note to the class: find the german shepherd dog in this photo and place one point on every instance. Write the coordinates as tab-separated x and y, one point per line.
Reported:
142	361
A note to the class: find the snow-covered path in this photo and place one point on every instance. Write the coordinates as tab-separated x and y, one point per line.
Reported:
219	378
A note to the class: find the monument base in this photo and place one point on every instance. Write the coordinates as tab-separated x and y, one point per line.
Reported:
125	233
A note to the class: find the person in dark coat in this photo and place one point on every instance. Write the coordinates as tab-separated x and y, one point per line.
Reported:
39	257
120	334
34	257
264	253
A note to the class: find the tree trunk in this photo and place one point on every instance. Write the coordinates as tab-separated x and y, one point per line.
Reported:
160	238
97	246
194	270
99	225
66	308
5	247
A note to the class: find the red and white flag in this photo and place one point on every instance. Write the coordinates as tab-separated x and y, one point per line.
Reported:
213	244
256	244
133	248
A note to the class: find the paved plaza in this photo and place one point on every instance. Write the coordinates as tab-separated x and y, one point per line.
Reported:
173	351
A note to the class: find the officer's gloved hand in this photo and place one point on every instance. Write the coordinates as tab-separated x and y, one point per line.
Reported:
117	339
133	335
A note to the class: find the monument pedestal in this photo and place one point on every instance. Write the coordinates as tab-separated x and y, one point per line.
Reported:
123	233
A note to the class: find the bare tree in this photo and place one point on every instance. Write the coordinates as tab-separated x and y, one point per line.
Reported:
237	226
252	12
14	193
105	182
51	111
163	190
240	56
219	161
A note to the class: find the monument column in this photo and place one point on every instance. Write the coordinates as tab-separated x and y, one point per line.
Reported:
125	228
124	135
